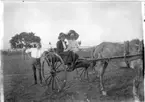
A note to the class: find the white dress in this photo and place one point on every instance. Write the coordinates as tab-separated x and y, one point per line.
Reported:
73	45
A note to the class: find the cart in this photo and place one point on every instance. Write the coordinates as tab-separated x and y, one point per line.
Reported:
56	75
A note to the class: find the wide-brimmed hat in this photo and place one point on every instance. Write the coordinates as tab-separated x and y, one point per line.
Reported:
61	35
75	35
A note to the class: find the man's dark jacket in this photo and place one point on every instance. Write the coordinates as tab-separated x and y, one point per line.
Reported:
60	47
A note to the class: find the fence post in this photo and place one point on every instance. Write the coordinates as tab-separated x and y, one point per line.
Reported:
126	52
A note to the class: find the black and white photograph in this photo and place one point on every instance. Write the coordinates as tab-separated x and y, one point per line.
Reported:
72	51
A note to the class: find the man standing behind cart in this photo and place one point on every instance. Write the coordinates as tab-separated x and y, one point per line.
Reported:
36	54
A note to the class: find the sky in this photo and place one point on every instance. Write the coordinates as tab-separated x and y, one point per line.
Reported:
95	22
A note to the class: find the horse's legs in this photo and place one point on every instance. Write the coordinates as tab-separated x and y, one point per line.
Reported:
34	73
138	68
102	71
134	91
140	90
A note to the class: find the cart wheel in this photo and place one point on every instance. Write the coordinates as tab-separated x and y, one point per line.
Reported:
83	74
54	72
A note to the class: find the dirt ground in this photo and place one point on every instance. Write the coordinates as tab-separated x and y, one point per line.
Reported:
18	79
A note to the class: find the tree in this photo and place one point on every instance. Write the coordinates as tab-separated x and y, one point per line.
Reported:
24	39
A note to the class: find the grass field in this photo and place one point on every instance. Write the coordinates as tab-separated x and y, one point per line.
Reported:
18	78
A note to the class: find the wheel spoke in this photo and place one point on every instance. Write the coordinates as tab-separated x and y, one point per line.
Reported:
49	81
46	74
58	79
87	75
52	83
58	66
57	82
48	63
55	64
47	78
82	73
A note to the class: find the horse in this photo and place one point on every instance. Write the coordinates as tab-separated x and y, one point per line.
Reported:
107	50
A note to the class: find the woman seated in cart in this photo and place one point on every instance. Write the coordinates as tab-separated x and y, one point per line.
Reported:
72	37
